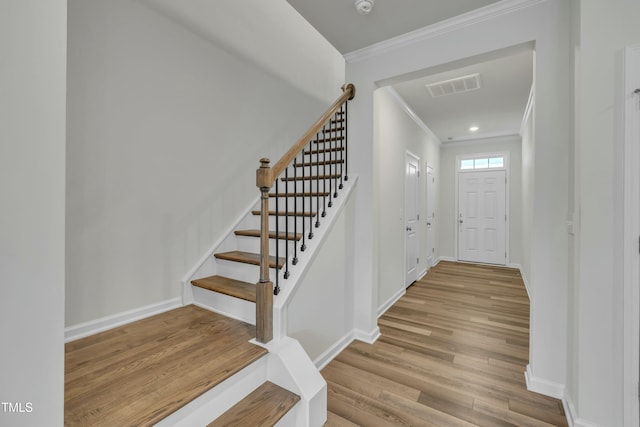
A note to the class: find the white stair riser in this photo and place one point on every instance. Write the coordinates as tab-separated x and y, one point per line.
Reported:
308	185
311	203
246	272
252	244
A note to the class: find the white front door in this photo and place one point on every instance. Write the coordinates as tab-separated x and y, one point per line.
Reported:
482	217
411	213
431	216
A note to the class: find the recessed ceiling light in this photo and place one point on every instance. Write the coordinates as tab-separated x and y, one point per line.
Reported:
474	128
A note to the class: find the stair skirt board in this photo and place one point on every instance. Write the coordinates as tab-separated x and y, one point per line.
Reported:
211	266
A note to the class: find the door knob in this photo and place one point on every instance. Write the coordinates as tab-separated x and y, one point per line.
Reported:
428	224
408	228
461	221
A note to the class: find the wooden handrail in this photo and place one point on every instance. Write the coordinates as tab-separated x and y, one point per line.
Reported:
265	177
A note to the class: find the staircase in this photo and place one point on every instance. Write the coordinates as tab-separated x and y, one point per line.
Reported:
302	187
300	196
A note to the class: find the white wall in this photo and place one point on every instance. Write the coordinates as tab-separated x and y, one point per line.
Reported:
165	131
604	31
448	216
33	42
396	133
270	34
546	24
320	313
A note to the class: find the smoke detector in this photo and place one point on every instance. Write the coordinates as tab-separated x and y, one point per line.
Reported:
364	6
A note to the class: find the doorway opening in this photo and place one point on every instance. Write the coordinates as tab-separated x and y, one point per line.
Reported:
482	208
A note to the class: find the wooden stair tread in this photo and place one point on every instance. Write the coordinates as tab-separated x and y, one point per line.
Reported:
272	234
282	213
307	194
228	286
249	258
141	372
264	406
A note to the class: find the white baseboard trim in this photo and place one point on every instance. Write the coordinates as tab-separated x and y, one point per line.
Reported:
572	415
86	329
524	279
542	386
445	258
387	305
331	353
367	337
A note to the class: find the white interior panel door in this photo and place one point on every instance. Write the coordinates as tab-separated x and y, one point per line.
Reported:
411	218
431	216
482	217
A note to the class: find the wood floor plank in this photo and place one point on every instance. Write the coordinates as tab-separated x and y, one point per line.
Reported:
453	351
263	407
141	372
336	420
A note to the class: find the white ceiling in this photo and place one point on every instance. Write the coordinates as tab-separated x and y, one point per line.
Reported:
339	22
497	108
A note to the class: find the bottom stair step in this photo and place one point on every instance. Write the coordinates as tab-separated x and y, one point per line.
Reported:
228	286
264	406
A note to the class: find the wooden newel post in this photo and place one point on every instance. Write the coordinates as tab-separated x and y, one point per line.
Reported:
264	288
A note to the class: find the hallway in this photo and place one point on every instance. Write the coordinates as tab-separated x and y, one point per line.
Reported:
453	352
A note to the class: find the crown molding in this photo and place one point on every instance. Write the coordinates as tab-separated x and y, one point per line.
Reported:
404	106
457	22
489	138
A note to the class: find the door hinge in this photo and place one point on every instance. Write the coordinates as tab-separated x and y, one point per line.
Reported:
418	216
418	261
505	255
505	217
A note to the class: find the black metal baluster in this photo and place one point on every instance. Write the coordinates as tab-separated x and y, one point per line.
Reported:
318	183
295	212
335	149
311	191
346	142
332	128
338	156
324	170
341	148
276	290
303	246
286	224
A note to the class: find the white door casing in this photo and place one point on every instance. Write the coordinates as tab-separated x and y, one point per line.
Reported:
412	216
482	217
431	215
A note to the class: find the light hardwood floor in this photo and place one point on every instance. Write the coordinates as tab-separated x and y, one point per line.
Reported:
453	352
139	373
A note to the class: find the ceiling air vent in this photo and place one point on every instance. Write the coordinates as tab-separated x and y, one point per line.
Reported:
459	85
